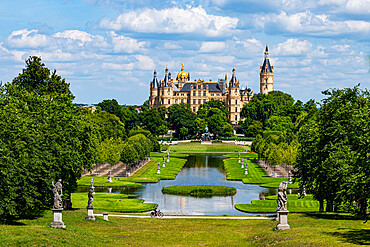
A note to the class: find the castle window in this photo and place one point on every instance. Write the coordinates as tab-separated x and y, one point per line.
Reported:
199	87
168	90
236	117
194	93
204	93
266	80
182	100
199	93
212	94
204	101
169	101
236	109
194	101
193	109
187	101
199	101
236	101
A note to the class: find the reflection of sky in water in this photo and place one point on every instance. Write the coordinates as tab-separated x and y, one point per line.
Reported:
198	170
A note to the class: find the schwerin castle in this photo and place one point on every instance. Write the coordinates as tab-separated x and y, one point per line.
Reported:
168	91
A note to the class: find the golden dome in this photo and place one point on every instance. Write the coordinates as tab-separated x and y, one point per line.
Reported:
182	74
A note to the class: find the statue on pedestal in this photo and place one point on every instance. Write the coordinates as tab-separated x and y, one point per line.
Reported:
282	197
57	192
91	195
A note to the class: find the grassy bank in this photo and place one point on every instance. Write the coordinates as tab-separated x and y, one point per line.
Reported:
294	205
111	202
256	174
190	147
199	190
306	229
146	174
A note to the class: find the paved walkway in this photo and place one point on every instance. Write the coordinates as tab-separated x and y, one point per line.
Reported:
192	217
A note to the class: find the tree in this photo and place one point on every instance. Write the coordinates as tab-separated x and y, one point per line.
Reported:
151	120
42	139
129	154
279	123
40	80
334	150
180	115
254	129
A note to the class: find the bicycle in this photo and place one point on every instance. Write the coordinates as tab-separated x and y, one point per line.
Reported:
157	214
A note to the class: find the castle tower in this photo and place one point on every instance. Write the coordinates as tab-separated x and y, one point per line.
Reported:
154	88
266	74
182	77
166	90
233	99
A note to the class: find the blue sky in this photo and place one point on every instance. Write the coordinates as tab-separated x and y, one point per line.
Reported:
109	48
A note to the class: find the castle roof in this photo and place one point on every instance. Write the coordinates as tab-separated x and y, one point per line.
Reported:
212	87
266	64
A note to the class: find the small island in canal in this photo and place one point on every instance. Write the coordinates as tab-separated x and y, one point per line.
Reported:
199	190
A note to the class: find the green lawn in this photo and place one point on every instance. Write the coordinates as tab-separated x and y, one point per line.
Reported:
111	202
256	174
195	147
294	205
306	229
146	174
199	190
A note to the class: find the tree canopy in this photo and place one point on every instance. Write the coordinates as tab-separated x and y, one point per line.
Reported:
333	158
43	138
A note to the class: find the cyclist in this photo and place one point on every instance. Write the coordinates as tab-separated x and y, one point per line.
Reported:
155	210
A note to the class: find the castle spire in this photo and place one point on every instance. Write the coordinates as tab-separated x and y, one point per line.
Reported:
266	52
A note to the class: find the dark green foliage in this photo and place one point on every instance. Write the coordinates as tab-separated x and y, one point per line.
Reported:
127	114
38	79
42	138
154	141
333	159
151	120
179	116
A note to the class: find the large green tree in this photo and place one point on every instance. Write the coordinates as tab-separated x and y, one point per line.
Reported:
42	138
333	159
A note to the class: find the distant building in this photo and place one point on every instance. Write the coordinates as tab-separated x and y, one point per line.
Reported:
170	91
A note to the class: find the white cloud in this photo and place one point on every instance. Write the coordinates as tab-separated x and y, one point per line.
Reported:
77	35
307	23
212	46
171	46
293	47
173	20
358	6
27	39
125	44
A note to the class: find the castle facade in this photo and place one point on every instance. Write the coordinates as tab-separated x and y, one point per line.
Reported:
170	91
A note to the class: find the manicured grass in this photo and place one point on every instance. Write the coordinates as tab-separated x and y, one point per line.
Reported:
306	229
112	202
256	174
294	205
205	148
199	190
146	174
102	182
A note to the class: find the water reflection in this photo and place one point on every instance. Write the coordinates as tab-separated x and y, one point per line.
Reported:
198	170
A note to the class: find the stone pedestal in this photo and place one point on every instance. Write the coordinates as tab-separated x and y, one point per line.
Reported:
158	171
57	219
109	180
105	216
164	164
245	172
109	190
283	220
90	214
